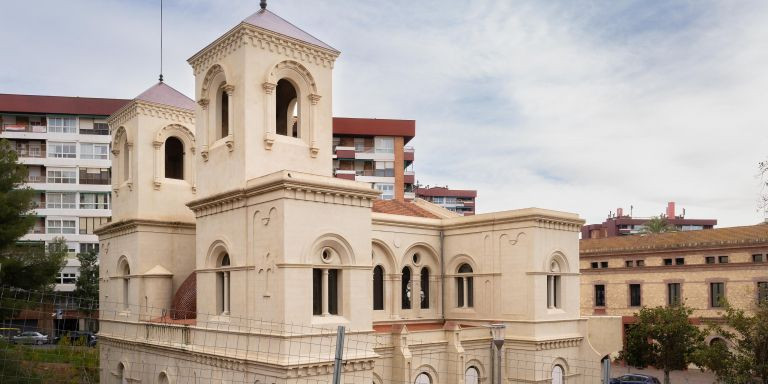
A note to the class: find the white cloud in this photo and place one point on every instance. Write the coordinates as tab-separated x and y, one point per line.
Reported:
575	106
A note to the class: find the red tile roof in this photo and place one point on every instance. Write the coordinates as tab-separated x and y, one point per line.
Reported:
396	207
675	240
184	305
59	104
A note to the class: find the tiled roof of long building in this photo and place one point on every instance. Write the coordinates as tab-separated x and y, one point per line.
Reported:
675	240
396	207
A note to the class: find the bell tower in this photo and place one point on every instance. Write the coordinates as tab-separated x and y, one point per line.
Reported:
264	103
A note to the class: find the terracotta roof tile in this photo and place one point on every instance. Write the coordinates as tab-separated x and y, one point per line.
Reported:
60	105
396	207
184	305
673	240
164	94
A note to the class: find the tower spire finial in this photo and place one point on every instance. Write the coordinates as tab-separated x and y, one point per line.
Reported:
161	41
263	4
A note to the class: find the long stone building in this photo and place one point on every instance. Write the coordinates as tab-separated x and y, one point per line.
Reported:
234	254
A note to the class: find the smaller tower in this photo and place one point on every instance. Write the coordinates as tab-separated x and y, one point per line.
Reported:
148	248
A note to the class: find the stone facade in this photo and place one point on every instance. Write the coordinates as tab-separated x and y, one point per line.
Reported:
283	253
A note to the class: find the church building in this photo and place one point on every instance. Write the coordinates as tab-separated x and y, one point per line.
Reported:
234	255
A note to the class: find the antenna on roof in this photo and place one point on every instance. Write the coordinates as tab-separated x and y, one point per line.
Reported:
263	4
161	41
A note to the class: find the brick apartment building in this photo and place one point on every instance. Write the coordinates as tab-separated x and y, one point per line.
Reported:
376	151
621	274
620	224
461	201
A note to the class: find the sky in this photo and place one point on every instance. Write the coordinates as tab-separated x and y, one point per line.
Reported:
579	106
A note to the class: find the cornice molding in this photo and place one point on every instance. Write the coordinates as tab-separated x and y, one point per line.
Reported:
296	187
666	248
132	225
245	34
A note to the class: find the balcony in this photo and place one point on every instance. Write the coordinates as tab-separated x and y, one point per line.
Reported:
35	179
24	150
345	174
408	153
409	177
345	152
24	128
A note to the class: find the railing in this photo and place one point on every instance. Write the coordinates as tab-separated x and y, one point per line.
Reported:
408	149
98	181
7	127
31	152
35	179
94	131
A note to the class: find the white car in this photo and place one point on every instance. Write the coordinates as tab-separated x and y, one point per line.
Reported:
30	338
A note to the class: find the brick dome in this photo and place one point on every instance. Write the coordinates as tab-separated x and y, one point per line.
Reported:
184	305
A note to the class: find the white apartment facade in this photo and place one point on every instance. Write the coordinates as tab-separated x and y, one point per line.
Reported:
65	144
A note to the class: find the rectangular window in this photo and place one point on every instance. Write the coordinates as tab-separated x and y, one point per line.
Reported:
634	295
317	292
716	294
667	261
62	150
387	190
93	151
61	176
722	259
757	258
762	292
60	200
709	259
62	124
628	263
600	295
94	200
679	261
88	224
640	263
384	169
95	176
385	144
673	294
553	291
359	144
603	264
61	226
89	247
595	265
67	278
333	291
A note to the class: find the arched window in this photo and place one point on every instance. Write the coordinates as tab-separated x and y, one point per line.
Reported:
125	272
557	374
287	109
465	296
162	378
554	286
378	288
121	376
424	288
223	286
325	286
406	288
174	158
126	162
222	114
423	378
472	376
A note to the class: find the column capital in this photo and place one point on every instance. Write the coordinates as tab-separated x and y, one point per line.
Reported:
203	103
268	87
229	89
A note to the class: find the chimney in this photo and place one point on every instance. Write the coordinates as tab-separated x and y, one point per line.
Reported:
671	210
619	212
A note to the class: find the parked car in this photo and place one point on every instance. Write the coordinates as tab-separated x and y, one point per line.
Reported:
80	338
635	378
30	338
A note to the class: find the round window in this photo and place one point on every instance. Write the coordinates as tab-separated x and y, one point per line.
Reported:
416	258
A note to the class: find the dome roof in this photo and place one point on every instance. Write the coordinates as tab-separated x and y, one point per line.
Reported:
184	305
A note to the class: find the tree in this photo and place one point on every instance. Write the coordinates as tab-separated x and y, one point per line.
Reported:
763	166
87	284
744	355
663	337
15	199
29	269
658	224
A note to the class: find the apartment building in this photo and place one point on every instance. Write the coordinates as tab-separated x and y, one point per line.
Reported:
461	201
376	151
619	223
621	274
65	143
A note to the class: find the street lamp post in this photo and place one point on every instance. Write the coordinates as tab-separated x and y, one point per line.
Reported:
497	333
